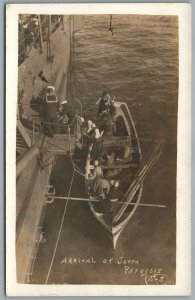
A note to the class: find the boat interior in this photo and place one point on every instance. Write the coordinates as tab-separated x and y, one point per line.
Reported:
114	166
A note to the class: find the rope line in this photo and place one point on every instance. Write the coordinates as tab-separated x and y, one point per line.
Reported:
64	213
60	229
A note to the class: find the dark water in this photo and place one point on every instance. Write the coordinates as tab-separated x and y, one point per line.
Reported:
138	64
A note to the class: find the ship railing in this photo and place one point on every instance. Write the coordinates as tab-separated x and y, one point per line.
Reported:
32	30
72	128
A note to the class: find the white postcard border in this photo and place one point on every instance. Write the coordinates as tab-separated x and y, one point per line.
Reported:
183	257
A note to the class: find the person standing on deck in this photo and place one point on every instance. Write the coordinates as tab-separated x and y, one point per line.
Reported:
66	110
50	112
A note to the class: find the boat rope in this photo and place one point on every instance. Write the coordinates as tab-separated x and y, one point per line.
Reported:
113	200
60	229
75	169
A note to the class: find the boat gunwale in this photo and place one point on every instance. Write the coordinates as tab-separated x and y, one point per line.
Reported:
113	228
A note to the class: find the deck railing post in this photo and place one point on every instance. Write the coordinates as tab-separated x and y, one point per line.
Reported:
41	35
33	133
49	26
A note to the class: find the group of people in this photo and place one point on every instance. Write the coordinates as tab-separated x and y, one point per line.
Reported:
93	139
56	116
98	186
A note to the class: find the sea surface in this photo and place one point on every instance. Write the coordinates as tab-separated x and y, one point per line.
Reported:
139	65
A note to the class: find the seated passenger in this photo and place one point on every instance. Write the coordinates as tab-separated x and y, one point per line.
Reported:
101	187
105	186
124	154
111	184
97	172
127	155
115	196
110	158
112	108
96	180
108	127
113	114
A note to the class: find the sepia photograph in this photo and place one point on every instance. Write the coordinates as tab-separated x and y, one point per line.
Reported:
96	148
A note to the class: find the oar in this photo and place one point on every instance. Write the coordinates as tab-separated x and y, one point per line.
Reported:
96	200
141	174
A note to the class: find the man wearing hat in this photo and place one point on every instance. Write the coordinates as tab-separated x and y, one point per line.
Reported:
104	103
66	110
50	112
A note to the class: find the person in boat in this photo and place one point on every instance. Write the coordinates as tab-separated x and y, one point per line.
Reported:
89	133
105	187
108	127
89	126
113	114
99	186
81	128
98	150
112	108
89	181
110	158
104	104
114	197
111	185
94	175
107	119
124	154
97	172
